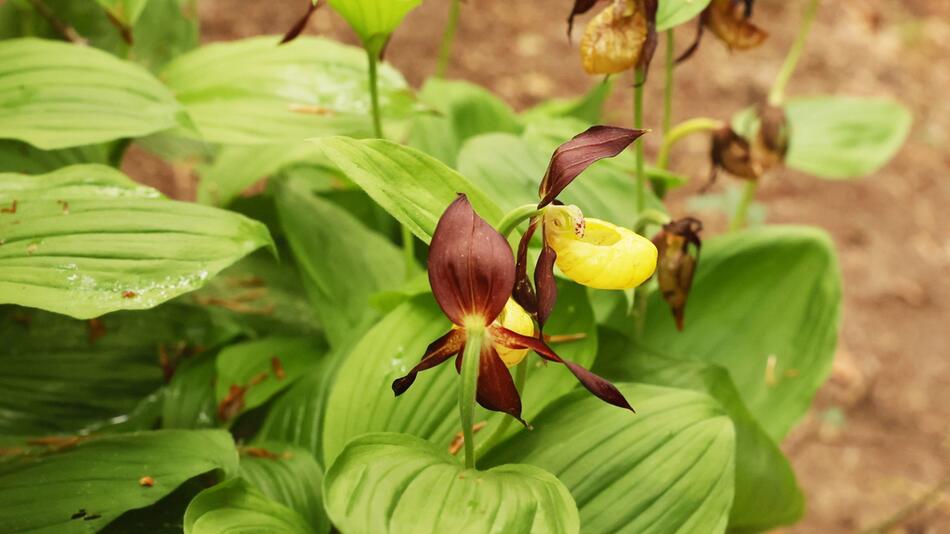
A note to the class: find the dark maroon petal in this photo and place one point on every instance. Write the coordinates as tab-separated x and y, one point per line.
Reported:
571	158
580	7
523	292
545	283
649	46
700	28
471	268
301	24
496	390
437	352
600	387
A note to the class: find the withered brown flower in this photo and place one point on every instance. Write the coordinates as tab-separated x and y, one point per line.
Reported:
729	20
679	245
620	37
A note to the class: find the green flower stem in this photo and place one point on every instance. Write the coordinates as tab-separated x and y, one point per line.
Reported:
650	216
374	94
682	130
638	78
520	371
515	217
668	89
470	360
448	39
777	94
742	210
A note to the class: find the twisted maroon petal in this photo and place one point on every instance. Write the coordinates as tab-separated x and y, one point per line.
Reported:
301	23
580	7
545	283
437	352
496	390
523	292
571	158
600	387
471	268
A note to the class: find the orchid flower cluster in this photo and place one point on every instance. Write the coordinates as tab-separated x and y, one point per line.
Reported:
485	291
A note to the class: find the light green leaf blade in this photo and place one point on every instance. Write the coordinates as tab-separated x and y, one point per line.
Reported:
767	493
668	468
413	187
394	483
343	261
288	475
85	240
839	137
99	479
374	20
58	95
255	92
236	506
671	13
17	156
264	366
771	293
188	400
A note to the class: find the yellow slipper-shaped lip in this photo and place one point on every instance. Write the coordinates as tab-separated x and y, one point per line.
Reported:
607	256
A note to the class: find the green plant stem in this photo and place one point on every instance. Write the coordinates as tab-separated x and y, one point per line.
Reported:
742	210
777	94
650	216
682	130
668	89
520	371
374	94
638	78
448	39
515	217
470	360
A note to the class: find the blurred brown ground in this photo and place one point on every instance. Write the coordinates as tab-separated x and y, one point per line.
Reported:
878	437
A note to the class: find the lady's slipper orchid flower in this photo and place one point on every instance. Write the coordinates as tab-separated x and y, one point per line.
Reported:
620	37
591	252
678	244
472	273
729	21
731	152
749	161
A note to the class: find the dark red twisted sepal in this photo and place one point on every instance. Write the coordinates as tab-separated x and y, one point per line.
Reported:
678	246
580	7
523	292
600	387
438	351
571	158
496	390
545	284
650	8
301	23
471	268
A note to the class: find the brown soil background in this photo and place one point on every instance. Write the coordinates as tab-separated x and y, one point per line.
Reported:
877	442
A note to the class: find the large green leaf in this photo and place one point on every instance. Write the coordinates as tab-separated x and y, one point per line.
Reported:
86	240
374	20
413	187
394	483
264	367
255	92
236	506
668	468
771	294
288	475
675	12
767	494
188	400
64	375
587	108
839	137
17	156
464	110
57	95
343	261
81	488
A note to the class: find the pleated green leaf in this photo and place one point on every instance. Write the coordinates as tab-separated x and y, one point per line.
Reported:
394	483
236	506
288	475
667	468
86	240
765	305
83	486
58	95
413	187
255	92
